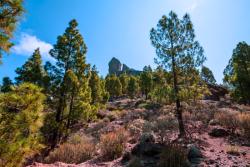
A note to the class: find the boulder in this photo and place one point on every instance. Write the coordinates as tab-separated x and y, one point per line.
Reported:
218	132
194	155
147	146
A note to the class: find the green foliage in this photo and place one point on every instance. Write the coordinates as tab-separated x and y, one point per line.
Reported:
69	80
237	73
105	93
177	50
207	75
192	86
163	94
10	12
113	86
98	92
133	86
124	78
7	85
146	81
32	71
20	120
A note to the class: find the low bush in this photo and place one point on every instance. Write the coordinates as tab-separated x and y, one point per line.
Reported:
135	128
233	150
244	119
112	144
228	119
173	156
77	150
163	126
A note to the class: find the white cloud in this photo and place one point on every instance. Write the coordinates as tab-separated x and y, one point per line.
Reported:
28	43
193	5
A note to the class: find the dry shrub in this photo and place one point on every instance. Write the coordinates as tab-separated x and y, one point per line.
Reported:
96	127
244	119
77	150
233	150
187	116
112	144
163	126
228	119
135	128
173	156
199	112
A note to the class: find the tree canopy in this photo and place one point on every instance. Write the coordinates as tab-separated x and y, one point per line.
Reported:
177	50
237	72
32	71
10	13
207	75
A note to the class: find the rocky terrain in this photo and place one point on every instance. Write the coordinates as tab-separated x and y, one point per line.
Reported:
207	143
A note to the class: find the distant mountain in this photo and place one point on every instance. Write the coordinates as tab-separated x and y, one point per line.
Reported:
117	68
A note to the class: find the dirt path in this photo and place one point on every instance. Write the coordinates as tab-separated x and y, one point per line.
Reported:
215	152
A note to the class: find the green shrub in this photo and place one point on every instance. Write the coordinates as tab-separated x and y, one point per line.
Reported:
21	118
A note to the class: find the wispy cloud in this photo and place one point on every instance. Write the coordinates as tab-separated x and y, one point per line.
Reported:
28	43
193	5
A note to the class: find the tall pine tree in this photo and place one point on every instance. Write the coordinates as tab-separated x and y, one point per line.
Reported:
71	73
177	50
32	71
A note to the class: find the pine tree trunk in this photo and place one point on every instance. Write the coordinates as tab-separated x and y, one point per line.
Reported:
70	109
61	105
178	103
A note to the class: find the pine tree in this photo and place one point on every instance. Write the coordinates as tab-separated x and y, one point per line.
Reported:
124	81
177	50
133	87
113	86
6	85
105	93
95	86
10	12
71	73
146	81
237	73
32	71
21	119
207	75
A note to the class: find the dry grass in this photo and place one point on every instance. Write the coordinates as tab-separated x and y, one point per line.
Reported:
228	119
76	150
112	144
173	156
233	150
135	128
164	126
244	119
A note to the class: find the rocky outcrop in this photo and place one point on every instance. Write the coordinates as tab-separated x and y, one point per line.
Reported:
117	68
216	91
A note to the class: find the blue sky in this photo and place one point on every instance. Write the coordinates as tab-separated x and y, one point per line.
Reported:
120	28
